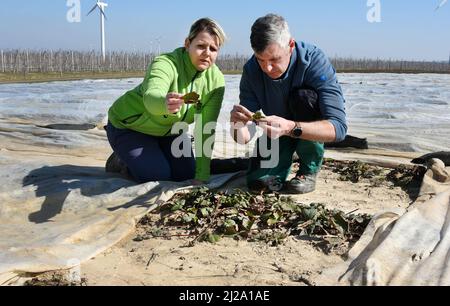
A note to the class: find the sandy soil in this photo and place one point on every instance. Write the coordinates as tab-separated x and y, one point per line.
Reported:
298	261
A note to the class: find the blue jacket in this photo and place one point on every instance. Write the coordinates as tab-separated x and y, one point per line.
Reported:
259	92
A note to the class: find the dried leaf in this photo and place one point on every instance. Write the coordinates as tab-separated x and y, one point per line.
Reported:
191	98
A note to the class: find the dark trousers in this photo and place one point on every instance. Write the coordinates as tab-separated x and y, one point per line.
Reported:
149	158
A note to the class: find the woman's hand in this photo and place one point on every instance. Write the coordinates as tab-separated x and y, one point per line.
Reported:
275	126
174	101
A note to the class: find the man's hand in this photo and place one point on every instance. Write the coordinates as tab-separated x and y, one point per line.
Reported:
276	127
239	118
174	101
239	114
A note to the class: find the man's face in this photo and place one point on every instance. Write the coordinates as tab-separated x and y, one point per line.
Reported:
274	60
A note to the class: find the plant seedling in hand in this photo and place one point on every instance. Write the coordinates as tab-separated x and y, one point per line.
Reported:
257	116
191	98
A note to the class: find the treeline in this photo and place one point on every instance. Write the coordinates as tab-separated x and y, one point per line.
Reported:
62	61
24	61
392	66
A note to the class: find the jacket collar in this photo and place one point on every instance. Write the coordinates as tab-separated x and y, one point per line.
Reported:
190	69
292	64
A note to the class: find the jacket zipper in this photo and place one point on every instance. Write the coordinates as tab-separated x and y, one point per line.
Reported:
192	88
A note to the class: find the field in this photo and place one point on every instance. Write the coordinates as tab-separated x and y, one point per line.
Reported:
63	171
146	257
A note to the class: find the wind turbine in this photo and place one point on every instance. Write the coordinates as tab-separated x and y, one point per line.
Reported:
101	6
443	2
158	41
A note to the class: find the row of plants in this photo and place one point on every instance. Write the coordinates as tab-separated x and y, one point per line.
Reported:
207	215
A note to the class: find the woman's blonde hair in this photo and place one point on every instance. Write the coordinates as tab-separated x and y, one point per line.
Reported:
210	26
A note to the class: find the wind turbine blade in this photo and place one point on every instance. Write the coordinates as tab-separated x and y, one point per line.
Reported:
95	6
443	2
103	13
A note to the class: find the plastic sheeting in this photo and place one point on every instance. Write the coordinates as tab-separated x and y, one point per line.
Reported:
56	212
404	249
58	207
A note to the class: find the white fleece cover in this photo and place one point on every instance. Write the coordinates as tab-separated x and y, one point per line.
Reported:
410	248
58	207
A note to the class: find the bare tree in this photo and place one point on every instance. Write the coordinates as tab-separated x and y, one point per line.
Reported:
3	63
68	61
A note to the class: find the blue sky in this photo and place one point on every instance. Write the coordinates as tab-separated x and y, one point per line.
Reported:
409	29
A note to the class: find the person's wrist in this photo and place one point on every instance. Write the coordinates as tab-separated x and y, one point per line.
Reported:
237	125
291	125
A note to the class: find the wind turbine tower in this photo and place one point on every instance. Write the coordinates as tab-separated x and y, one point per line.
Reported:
441	4
158	41
101	7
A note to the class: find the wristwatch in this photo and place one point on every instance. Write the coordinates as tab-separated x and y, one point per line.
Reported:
296	131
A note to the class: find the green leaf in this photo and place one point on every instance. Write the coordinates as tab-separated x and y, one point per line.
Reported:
276	216
188	218
341	223
266	216
213	238
205	203
229	222
230	226
231	211
250	214
272	221
339	228
178	205
257	116
247	224
192	210
309	213
287	207
204	211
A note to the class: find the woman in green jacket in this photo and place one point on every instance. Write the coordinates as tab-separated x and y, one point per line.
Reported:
145	124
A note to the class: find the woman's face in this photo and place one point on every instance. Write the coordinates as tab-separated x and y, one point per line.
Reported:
203	50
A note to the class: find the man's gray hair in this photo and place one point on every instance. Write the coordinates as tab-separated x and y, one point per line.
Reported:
267	30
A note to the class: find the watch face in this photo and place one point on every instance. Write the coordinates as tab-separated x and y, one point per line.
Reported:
297	132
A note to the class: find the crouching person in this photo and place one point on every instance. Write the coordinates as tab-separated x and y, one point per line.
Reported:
180	87
295	86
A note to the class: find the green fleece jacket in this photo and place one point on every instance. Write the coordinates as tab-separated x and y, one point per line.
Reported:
143	109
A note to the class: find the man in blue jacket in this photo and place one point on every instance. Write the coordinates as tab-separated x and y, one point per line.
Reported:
295	86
